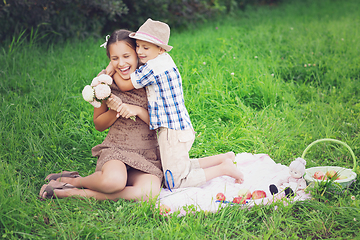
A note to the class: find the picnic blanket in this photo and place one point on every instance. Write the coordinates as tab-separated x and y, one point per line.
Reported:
259	172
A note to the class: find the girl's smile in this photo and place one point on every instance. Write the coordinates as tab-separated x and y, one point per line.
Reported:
125	70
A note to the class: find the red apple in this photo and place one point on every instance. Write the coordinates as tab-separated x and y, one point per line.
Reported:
239	200
319	175
244	193
220	197
257	194
331	174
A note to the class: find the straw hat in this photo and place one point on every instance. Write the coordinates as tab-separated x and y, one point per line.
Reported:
154	32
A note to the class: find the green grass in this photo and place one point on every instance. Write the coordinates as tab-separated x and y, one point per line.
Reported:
271	104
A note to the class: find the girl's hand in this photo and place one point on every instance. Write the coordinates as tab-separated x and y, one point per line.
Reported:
114	102
110	70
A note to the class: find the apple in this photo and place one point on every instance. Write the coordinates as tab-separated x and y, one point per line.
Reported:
220	197
257	194
244	193
239	200
331	173
319	175
164	209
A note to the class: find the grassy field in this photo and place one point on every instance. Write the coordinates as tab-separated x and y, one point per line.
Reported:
268	80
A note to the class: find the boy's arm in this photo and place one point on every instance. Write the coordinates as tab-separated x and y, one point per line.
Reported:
110	70
143	76
124	85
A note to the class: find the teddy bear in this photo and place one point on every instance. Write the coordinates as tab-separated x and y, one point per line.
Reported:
293	183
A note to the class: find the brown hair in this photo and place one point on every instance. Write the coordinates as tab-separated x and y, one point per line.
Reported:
120	35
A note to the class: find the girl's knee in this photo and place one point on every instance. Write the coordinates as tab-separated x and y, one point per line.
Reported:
113	183
110	183
113	176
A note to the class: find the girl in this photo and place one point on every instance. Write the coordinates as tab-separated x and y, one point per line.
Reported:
128	163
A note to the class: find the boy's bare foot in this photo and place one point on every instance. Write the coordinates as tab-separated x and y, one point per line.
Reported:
231	170
230	155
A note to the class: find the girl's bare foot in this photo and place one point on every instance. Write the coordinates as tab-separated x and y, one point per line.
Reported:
55	188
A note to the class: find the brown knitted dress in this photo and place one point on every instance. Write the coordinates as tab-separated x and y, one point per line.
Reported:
130	142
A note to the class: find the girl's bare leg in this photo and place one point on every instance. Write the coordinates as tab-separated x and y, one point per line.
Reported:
215	160
112	178
143	187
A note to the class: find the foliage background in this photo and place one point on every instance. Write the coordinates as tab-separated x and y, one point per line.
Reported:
84	18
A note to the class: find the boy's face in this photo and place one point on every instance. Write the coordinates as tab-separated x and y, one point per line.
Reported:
123	59
147	51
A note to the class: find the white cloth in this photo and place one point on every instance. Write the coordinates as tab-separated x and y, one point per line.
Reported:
259	172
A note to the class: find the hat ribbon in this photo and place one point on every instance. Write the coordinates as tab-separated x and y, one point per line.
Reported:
148	35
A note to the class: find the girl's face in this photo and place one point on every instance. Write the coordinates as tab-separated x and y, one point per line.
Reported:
123	58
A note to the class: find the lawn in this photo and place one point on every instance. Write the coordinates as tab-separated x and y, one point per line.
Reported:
271	79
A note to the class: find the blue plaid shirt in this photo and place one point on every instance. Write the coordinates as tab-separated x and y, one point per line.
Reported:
163	84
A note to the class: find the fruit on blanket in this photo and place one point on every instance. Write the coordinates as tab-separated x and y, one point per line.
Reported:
239	200
245	193
319	175
220	197
331	174
164	209
257	194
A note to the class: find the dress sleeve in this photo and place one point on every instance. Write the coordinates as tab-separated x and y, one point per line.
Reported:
143	76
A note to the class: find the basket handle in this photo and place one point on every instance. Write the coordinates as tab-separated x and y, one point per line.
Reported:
331	140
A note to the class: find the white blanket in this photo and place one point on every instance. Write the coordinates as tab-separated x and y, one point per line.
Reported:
259	172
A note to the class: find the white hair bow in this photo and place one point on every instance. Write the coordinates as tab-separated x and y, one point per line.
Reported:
106	40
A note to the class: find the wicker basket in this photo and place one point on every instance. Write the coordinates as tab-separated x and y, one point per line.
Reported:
337	184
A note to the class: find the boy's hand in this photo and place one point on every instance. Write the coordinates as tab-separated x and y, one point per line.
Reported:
114	102
128	110
110	70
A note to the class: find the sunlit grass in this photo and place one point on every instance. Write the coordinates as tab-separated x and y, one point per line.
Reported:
269	80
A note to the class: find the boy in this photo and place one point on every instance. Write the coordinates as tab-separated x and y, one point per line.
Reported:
168	113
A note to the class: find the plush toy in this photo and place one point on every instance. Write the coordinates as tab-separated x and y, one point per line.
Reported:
293	183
